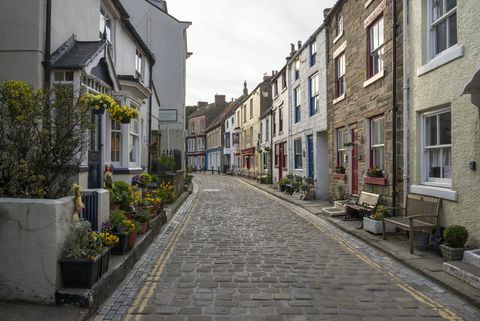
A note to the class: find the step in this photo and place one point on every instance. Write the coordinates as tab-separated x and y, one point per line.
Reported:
466	272
333	211
472	257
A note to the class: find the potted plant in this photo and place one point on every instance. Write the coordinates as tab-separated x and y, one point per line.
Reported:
86	255
281	183
166	163
119	226
339	170
143	217
455	236
373	223
121	195
133	227
142	180
98	103
123	114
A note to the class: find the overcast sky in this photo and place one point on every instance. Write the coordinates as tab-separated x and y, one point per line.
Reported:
237	40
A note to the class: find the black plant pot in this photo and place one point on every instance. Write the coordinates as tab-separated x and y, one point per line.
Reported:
121	247
80	273
104	261
282	188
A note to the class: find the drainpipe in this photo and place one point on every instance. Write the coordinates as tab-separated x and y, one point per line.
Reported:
149	156
405	101
48	41
394	103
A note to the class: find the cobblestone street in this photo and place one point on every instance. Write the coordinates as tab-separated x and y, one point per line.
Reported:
236	253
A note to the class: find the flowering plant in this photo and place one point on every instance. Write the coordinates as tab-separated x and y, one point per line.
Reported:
121	194
142	180
153	200
117	223
98	103
123	113
375	172
165	192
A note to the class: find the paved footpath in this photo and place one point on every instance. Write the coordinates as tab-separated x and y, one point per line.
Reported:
235	253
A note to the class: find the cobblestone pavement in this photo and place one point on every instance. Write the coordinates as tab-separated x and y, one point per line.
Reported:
236	253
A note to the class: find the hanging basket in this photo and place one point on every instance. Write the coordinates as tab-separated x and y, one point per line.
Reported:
99	111
125	121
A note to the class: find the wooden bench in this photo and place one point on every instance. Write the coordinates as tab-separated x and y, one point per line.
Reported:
419	214
362	206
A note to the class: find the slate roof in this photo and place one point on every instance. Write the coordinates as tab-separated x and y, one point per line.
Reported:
200	111
225	113
101	72
75	54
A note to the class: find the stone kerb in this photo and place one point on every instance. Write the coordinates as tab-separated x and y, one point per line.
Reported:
32	237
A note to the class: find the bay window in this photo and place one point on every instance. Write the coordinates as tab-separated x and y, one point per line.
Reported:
133	141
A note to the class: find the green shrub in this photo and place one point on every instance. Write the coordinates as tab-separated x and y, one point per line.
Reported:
121	194
166	162
456	235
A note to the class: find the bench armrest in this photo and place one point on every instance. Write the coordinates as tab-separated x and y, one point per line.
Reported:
421	215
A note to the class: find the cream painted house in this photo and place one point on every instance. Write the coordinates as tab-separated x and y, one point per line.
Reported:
444	140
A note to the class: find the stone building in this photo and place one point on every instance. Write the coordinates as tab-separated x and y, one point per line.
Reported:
280	120
92	46
443	119
265	145
307	127
166	36
360	97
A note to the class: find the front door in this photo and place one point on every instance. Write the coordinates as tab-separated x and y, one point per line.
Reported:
94	153
310	156
354	162
280	161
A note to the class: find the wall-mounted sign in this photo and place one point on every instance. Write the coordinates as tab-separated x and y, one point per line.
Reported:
167	115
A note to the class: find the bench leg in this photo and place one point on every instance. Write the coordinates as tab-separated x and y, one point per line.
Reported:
383	230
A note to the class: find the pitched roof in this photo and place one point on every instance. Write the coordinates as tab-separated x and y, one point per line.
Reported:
200	111
225	113
75	54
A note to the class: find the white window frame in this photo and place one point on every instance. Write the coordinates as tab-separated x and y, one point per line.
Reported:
340	142
200	144
106	23
338	63
134	134
139	63
314	92
381	145
297	105
114	130
339	25
426	180
313	53
431	28
376	53
297	143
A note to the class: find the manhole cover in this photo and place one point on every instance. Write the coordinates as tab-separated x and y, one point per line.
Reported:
211	190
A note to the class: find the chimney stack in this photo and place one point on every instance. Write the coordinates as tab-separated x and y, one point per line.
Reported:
245	89
326	12
202	103
299	44
220	99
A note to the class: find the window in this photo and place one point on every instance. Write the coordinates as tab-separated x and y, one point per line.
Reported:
296	102
134	141
340	75
314	85
105	25
377	142
339	24
280	120
63	76
261	132
277	155
116	141
251	108
313	53
296	72
376	43
340	147
244	111
442	25
284	80
274	123
227	140
200	144
250	136
139	63
297	145
267	129
191	145
275	88
437	147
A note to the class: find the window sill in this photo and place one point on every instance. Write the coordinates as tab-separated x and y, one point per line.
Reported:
339	176
338	37
435	191
339	99
382	181
369	2
441	59
340	50
374	78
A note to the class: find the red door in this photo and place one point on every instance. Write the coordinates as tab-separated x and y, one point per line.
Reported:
354	163
280	161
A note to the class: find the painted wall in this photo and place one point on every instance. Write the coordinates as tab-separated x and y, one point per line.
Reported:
32	230
280	101
442	87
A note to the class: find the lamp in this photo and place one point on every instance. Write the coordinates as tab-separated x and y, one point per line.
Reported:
265	92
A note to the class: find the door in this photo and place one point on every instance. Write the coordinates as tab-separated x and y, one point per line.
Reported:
280	161
94	153
310	156
354	162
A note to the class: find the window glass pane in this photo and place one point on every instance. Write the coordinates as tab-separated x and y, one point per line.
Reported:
445	128
434	163
437	9
440	36
452	30
431	128
447	162
378	157
450	5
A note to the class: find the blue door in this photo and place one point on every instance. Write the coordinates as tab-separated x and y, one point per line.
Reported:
310	155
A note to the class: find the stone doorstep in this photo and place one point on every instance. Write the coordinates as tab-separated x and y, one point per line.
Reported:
464	271
472	257
333	211
118	269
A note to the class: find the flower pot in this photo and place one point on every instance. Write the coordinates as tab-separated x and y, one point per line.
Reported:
132	238
376	227
144	228
104	261
114	207
129	215
452	253
99	111
121	247
80	273
125	121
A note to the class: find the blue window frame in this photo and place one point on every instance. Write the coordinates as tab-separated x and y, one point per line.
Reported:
313	53
296	100
313	91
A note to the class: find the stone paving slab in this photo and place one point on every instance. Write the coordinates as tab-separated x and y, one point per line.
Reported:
242	254
19	311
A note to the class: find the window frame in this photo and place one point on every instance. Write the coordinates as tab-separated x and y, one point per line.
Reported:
280	120
373	162
251	108
117	130
297	154
339	24
425	167
296	71
134	136
297	106
139	64
313	52
340	82
314	95
341	151
372	55
431	24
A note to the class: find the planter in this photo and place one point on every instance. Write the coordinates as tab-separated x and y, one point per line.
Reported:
114	207
282	188
80	273
130	215
132	238
375	180
452	253
125	121
339	176
375	227
104	261
121	247
144	228
99	111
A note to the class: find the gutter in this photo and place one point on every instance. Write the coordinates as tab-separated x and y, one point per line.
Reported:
150	85
394	103
405	100
48	41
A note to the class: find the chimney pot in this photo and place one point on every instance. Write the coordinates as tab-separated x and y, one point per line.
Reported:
220	99
299	44
326	12
292	48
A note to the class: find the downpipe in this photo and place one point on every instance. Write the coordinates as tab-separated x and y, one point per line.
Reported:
405	101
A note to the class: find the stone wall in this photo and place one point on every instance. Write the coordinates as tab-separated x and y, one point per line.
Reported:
364	100
32	234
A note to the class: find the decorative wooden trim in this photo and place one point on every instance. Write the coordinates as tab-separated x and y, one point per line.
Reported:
382	181
339	176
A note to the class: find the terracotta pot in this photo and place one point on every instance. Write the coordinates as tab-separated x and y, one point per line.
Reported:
129	215
132	238
144	228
